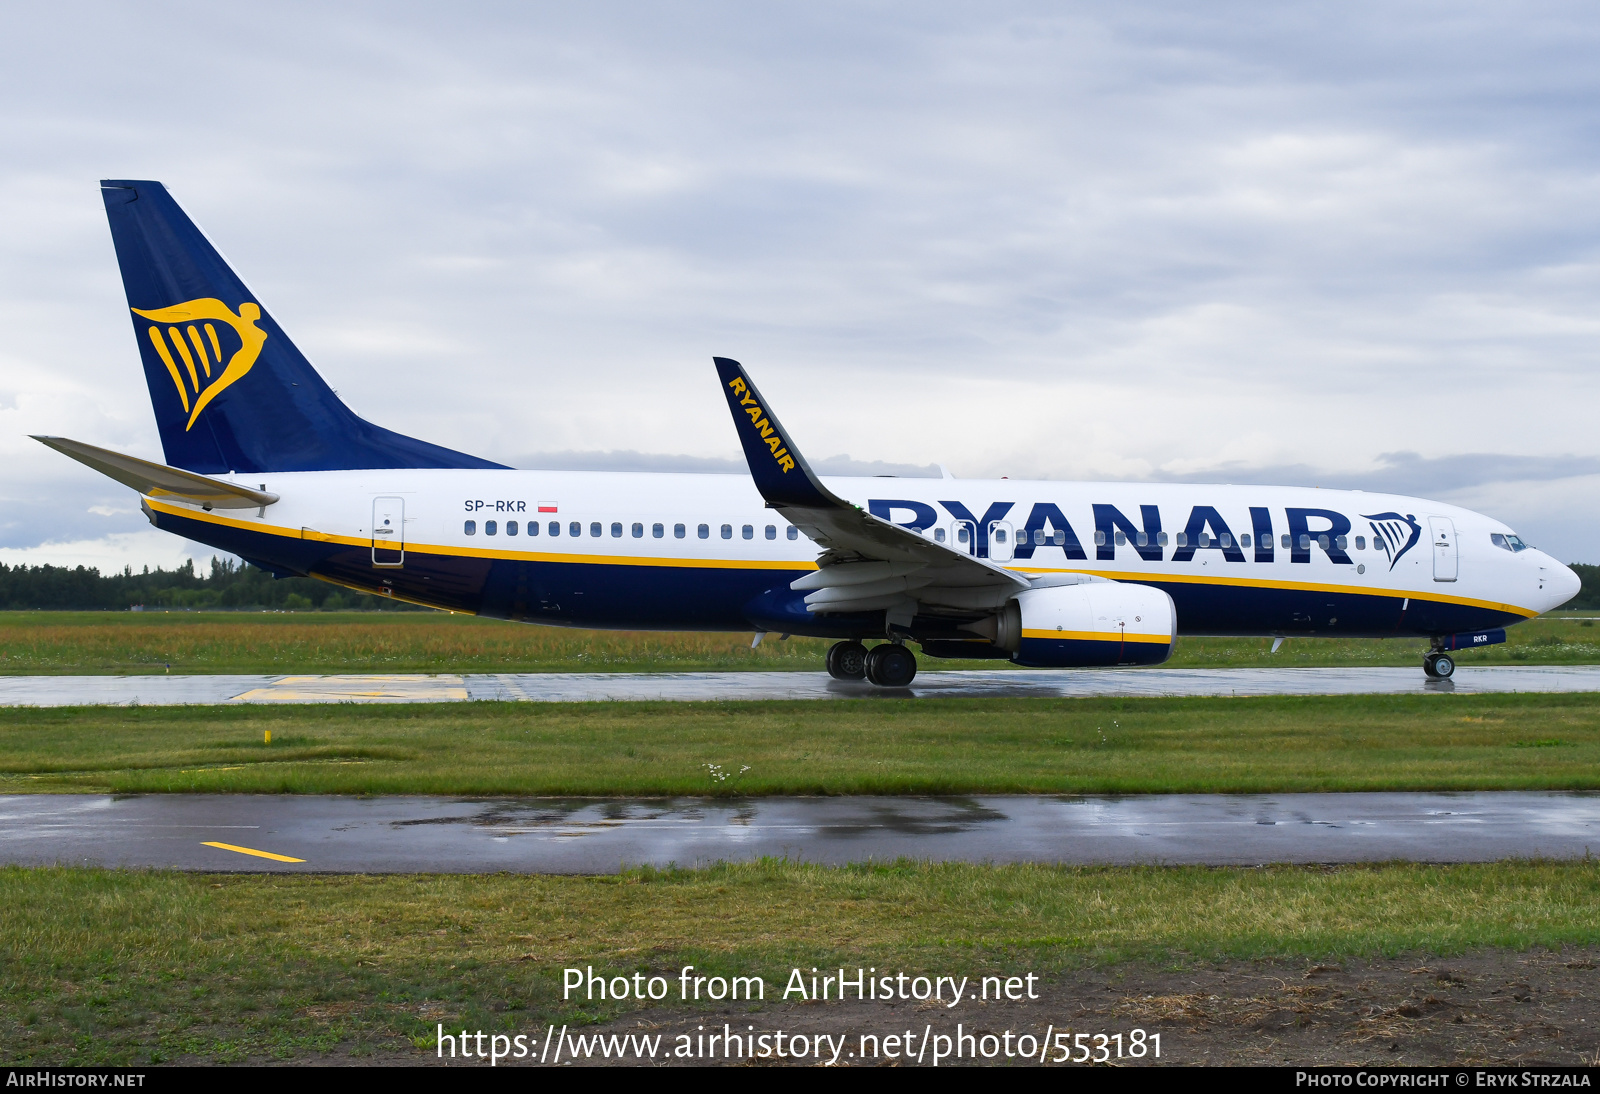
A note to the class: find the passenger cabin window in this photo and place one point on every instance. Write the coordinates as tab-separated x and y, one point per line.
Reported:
488	528
1161	538
511	527
938	535
1305	542
1182	539
575	529
1361	543
1099	538
1122	539
727	531
678	531
704	531
657	531
533	527
1205	539
594	529
1341	542
638	530
747	532
470	528
1141	540
1287	542
616	529
772	531
963	534
794	533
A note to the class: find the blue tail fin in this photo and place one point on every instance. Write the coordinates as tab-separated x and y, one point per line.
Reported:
231	392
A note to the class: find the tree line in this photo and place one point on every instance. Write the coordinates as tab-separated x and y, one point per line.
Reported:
229	585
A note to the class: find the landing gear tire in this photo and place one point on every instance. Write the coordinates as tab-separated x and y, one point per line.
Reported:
1439	666
891	666
847	661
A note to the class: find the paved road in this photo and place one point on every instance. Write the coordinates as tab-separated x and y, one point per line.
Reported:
214	832
46	691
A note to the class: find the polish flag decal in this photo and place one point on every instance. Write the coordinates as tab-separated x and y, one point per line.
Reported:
547	507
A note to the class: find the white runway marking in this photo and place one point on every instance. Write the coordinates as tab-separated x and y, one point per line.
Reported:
576	687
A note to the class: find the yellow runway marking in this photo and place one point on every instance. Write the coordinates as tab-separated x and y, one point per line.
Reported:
333	689
252	851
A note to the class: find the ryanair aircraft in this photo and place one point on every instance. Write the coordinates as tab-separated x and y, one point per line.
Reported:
265	462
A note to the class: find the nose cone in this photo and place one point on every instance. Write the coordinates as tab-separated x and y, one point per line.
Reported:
1561	584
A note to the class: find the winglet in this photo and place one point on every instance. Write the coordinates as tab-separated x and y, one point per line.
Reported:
779	471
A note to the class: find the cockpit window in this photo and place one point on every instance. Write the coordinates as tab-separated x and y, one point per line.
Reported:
1507	542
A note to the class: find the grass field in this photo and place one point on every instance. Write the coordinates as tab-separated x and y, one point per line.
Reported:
119	967
889	746
98	643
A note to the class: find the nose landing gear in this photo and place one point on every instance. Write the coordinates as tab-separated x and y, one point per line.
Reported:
1438	665
889	665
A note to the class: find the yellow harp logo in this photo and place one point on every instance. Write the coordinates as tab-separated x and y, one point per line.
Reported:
192	333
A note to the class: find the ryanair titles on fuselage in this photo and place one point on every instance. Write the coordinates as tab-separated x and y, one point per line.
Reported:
1301	530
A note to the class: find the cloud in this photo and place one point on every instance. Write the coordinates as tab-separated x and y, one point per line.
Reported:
1108	240
1409	473
712	465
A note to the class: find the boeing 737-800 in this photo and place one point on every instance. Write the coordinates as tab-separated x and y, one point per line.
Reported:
264	461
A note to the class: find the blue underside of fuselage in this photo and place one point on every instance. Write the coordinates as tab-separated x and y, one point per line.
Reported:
642	597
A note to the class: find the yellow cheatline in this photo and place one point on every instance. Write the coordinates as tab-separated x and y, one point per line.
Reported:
1099	636
752	564
251	851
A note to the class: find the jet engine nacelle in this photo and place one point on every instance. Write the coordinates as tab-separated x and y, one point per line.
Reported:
1081	626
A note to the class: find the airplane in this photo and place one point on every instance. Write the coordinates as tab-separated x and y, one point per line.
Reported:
264	461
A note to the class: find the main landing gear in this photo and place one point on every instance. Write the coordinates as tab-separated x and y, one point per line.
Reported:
890	665
1438	665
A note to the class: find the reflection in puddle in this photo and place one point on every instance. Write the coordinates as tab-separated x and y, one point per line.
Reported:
844	817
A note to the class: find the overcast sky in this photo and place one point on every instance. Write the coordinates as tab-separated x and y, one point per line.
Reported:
1342	244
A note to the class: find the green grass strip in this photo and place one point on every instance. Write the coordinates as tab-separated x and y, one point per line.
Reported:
870	746
122	967
117	643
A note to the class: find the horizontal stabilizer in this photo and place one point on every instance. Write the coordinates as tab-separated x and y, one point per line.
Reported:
157	480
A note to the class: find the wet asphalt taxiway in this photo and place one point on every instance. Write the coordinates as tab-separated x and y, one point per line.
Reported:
294	833
580	687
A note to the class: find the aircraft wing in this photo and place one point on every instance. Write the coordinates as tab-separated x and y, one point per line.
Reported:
867	563
157	480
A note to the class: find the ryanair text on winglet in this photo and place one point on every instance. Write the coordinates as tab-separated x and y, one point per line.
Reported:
768	434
